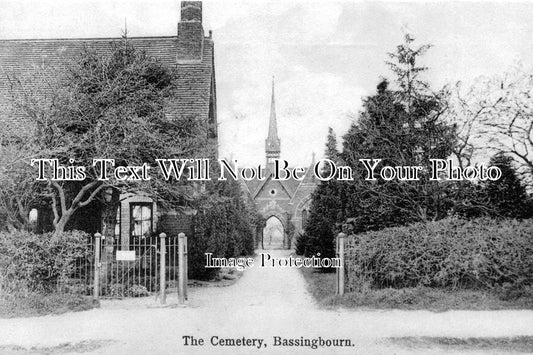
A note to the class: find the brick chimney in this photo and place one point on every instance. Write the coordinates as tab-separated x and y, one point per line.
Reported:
190	31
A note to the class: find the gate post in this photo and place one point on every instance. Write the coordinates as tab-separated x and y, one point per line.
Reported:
181	268
340	271
186	262
162	268
97	249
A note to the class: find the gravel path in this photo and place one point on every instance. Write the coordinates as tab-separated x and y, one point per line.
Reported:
264	303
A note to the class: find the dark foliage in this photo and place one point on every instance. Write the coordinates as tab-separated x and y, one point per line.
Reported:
325	210
224	226
302	244
451	253
507	197
39	262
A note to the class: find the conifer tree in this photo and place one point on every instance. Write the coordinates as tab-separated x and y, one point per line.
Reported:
403	126
331	146
326	209
507	197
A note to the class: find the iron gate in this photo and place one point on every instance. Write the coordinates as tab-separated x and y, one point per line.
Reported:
116	271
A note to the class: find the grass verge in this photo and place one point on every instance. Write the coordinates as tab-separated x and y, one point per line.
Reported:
66	348
322	286
37	304
501	344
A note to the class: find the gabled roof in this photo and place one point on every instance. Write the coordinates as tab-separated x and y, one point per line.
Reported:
290	186
195	79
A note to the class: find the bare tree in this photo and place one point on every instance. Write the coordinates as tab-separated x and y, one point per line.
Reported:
465	114
498	114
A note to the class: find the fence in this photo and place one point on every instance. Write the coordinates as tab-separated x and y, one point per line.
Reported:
136	270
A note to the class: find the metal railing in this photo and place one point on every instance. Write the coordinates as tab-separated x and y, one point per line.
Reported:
149	266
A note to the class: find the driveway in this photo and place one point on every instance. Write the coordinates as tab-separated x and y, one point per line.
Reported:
265	303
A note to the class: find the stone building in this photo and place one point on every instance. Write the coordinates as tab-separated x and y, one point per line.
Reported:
190	52
280	202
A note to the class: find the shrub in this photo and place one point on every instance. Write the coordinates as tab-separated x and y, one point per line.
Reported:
138	291
507	196
302	244
76	286
34	267
222	229
224	226
115	290
456	253
39	262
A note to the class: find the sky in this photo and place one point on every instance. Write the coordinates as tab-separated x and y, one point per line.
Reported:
325	56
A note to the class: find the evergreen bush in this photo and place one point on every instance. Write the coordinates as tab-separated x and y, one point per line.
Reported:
39	262
451	253
223	226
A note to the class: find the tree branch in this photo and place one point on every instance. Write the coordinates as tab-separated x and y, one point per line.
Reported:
92	196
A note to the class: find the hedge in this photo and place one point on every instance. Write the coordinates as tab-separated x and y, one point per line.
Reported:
223	229
38	262
450	253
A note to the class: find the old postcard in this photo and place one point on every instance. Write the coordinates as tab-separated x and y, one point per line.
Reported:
277	177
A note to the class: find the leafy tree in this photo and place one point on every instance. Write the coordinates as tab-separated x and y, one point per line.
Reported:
507	197
108	105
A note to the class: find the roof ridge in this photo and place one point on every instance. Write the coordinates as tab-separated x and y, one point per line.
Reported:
82	39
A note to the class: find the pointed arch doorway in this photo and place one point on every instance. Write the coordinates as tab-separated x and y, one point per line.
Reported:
273	234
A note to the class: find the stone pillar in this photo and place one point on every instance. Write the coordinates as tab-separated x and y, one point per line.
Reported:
340	271
181	268
162	268
97	249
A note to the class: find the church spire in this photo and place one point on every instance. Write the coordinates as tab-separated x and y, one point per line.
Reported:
273	126
272	143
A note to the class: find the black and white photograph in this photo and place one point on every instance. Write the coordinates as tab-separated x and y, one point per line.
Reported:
266	177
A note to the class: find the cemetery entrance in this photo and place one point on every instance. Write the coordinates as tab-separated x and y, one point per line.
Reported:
273	234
